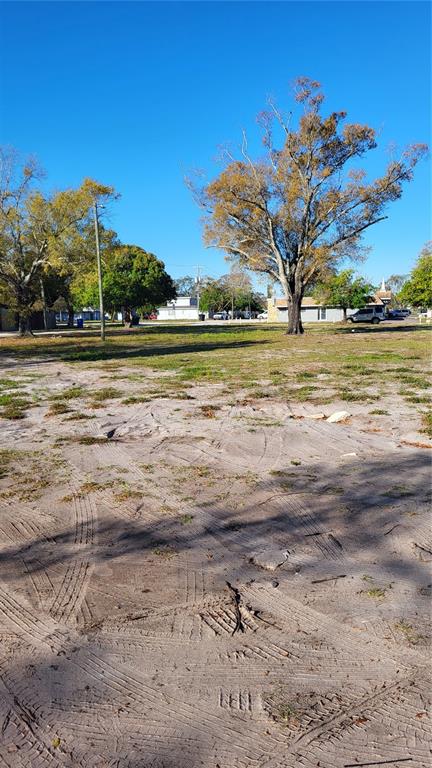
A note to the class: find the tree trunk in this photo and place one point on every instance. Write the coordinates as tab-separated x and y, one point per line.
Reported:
24	326
344	314
295	325
71	315
44	305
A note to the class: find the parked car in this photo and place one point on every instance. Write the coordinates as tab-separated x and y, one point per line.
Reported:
367	315
396	314
220	316
262	316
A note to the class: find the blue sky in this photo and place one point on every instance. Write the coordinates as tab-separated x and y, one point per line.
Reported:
136	94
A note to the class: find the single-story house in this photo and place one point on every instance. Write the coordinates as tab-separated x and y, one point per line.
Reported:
311	311
9	320
181	308
87	313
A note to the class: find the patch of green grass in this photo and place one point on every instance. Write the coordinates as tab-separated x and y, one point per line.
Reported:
379	412
411	635
71	393
419	399
305	376
397	491
295	462
165	552
90	440
185	519
375	592
286	713
353	397
92	487
427	423
9	384
302	393
7	457
133	399
14	411
258	421
127	494
106	393
80	416
260	394
416	381
57	408
13	399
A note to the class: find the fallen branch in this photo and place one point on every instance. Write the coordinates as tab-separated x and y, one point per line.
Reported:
379	762
391	529
423	549
237	601
330	578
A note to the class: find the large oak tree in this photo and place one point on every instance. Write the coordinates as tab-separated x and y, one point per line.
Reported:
300	209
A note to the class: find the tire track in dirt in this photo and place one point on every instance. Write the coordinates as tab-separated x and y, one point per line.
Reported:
71	591
30	746
238	541
131	685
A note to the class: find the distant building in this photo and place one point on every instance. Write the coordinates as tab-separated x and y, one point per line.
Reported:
9	320
87	313
311	311
181	308
383	296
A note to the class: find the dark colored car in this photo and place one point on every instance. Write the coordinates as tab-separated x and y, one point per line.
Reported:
396	314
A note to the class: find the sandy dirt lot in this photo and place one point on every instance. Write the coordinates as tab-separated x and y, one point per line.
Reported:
205	578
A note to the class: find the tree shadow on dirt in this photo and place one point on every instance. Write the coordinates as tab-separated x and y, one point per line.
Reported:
365	500
74	703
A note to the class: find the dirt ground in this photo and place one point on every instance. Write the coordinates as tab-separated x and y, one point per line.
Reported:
210	580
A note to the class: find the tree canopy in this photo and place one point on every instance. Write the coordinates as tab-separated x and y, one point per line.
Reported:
231	291
417	290
302	207
345	290
132	279
38	230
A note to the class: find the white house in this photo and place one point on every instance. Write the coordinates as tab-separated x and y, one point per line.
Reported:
181	308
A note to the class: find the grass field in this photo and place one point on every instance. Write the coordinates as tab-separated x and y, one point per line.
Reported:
329	362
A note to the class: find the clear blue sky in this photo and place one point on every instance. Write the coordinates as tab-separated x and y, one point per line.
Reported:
135	94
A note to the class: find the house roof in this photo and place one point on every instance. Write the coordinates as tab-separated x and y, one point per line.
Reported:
307	301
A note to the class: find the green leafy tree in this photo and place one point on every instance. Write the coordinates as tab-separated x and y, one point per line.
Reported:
132	280
302	207
37	229
417	291
215	297
345	290
185	286
231	291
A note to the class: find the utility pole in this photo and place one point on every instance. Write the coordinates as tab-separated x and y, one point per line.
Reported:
99	266
198	284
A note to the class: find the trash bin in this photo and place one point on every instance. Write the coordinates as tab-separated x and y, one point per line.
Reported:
80	322
201	316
